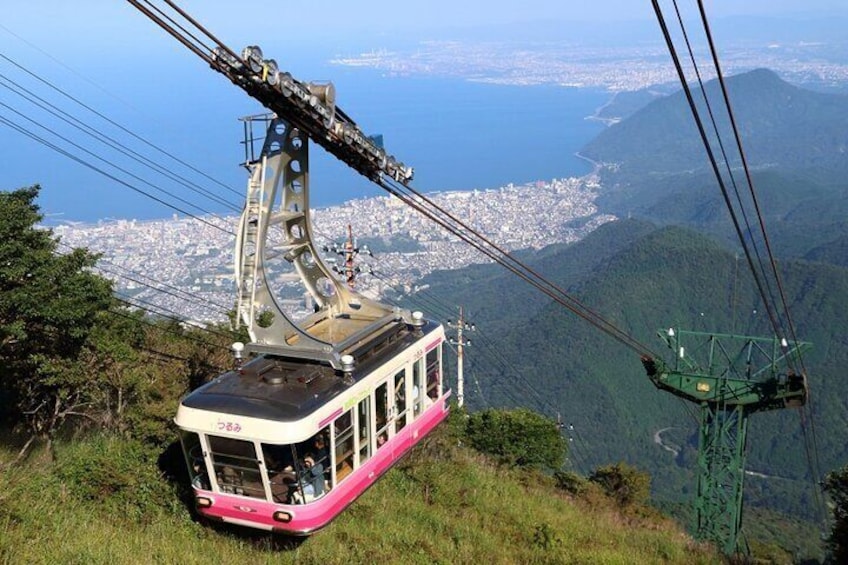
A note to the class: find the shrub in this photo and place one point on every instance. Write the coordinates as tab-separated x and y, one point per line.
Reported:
545	537
520	438
120	476
624	483
571	482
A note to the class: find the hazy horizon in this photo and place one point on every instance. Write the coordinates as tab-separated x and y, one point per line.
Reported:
110	57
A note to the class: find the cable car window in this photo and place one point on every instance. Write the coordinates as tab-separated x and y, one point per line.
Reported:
434	374
236	466
400	400
279	464
416	388
319	445
343	434
363	424
381	402
193	452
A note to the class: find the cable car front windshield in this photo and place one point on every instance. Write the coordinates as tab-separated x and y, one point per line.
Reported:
293	473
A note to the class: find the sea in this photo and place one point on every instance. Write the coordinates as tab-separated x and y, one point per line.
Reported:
457	134
464	135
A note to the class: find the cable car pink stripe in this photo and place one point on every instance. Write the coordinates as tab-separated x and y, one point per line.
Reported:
329	418
310	517
432	345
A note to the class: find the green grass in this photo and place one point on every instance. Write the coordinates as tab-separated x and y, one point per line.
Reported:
443	504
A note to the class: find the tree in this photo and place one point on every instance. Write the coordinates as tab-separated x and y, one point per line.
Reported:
49	304
521	438
836	485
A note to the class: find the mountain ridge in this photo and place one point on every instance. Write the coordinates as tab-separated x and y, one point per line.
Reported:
782	126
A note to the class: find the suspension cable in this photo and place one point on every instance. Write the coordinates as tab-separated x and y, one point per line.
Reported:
713	162
22	130
771	304
116	124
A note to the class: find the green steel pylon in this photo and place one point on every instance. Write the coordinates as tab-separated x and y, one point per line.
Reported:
730	377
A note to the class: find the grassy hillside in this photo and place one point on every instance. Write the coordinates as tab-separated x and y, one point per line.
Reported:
443	504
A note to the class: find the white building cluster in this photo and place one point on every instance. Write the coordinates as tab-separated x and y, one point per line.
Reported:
184	267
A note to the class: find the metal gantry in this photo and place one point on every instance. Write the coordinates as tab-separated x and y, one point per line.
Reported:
730	377
277	210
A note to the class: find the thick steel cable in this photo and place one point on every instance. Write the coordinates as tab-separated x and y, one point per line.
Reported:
812	458
501	257
103	159
117	125
110	142
748	177
810	440
742	208
693	108
22	130
713	163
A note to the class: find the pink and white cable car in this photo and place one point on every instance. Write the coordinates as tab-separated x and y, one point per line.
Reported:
250	434
331	401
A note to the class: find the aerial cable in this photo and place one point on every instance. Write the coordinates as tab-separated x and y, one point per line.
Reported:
164	329
104	160
812	460
119	126
168	289
742	208
544	404
500	256
193	47
165	312
166	292
196	45
441	308
152	310
472	370
747	170
810	438
713	163
112	143
164	288
182	28
54	147
576	306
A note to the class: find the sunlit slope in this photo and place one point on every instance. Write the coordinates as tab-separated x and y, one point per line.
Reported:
444	504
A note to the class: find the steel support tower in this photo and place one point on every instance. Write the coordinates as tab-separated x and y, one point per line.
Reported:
730	377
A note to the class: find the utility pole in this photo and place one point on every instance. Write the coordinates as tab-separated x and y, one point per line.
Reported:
460	343
348	252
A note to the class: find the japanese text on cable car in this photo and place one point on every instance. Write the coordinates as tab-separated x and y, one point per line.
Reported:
233	427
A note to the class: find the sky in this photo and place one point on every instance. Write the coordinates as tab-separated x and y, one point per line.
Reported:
109	55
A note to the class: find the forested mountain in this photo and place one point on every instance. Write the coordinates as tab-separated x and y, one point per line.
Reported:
782	126
795	141
644	278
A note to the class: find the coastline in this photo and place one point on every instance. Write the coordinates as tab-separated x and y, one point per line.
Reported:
596	117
